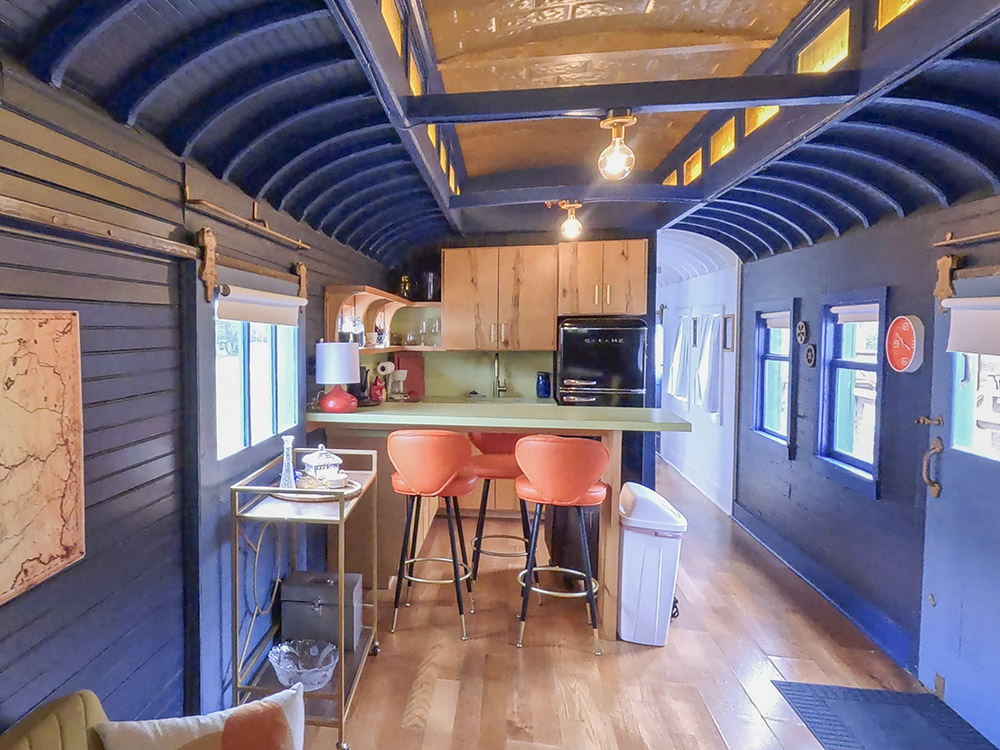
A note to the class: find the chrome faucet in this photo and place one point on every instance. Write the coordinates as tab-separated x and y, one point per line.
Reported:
499	386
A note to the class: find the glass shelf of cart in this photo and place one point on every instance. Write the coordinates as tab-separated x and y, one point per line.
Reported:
268	502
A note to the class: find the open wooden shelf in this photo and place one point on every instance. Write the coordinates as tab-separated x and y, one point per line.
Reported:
390	349
373	306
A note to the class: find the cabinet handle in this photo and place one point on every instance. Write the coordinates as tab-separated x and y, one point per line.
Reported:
579	399
597	294
493	332
503	333
607	296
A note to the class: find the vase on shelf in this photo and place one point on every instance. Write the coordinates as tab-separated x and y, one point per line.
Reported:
287	481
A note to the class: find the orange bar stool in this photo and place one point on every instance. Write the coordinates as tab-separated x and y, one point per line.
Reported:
431	464
563	472
496	462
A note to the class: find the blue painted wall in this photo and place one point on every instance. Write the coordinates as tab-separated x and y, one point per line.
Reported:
864	554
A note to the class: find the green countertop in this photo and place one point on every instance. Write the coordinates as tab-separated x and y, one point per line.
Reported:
508	413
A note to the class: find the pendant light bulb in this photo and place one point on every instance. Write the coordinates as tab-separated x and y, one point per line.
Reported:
617	161
572	228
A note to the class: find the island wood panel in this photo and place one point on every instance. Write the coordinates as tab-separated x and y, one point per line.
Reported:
469	283
625	263
528	297
581	276
114	622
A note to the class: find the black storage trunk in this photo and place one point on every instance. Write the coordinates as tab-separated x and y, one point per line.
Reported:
309	608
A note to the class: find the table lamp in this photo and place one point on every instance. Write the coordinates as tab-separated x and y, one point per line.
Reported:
337	363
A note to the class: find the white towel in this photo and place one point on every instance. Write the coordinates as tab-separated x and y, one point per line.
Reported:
679	378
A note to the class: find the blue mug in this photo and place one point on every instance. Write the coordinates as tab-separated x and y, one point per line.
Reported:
543	386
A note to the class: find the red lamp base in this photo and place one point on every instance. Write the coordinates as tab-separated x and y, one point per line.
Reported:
337	401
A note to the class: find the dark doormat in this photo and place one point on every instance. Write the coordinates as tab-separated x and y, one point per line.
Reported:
851	719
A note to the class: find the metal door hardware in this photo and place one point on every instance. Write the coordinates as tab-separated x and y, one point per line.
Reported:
931	600
936	421
925	467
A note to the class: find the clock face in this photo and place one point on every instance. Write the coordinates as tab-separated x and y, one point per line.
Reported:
904	343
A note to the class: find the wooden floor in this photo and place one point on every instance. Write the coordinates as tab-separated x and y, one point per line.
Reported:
745	620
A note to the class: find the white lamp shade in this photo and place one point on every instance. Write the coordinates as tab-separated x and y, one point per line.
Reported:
337	363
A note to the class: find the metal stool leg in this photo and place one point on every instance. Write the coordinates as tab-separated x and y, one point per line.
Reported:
402	561
526	530
461	547
413	546
589	582
454	565
529	573
477	543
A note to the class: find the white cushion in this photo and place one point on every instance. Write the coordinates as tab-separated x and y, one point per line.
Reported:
253	726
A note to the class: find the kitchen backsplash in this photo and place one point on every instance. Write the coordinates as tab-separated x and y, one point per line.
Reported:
457	373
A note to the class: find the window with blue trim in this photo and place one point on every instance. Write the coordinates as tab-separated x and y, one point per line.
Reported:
851	385
774	347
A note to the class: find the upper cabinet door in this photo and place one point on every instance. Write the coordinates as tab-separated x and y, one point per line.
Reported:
528	280
469	298
581	278
624	291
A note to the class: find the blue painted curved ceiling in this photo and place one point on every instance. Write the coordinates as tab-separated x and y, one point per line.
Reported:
926	144
265	94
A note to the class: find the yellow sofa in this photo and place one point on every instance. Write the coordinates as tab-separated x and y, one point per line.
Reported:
64	724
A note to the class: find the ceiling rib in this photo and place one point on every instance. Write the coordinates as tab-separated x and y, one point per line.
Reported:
313	182
375	210
143	82
805	191
795	205
344	211
320	205
728	239
734	218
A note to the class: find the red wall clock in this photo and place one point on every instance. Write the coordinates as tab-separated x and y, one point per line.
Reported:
904	343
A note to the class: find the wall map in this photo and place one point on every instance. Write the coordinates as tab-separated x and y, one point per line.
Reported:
41	447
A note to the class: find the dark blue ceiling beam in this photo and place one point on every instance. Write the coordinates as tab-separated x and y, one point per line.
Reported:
160	67
240	87
918	184
962	160
831	179
745	222
72	33
286	175
321	205
381	243
742	249
250	144
376	210
312	183
389	220
793	205
401	248
805	191
773	216
786	90
344	213
602	192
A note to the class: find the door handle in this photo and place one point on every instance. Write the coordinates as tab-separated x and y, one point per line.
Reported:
607	295
597	294
925	467
936	421
579	399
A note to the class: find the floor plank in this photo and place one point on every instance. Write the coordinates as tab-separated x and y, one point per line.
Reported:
745	620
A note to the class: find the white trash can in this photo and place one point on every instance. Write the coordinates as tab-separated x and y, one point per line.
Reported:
651	531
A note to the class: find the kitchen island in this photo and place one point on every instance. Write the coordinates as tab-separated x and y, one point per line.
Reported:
527	416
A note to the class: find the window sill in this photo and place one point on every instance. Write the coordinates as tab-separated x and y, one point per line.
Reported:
782	444
858	480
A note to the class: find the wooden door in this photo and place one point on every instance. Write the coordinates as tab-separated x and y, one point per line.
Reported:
527	297
581	277
624	291
469	298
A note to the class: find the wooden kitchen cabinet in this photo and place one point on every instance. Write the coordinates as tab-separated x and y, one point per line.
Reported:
603	278
581	278
469	283
499	299
527	299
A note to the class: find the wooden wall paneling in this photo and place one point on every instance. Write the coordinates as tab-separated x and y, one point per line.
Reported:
117	617
528	297
625	268
469	281
581	275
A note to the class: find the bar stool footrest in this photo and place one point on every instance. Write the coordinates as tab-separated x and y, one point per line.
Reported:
490	553
561	594
437	581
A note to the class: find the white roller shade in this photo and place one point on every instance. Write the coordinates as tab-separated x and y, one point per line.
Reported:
254	306
975	324
782	319
867	313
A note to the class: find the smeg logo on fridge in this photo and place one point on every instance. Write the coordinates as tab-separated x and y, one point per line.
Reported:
604	340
